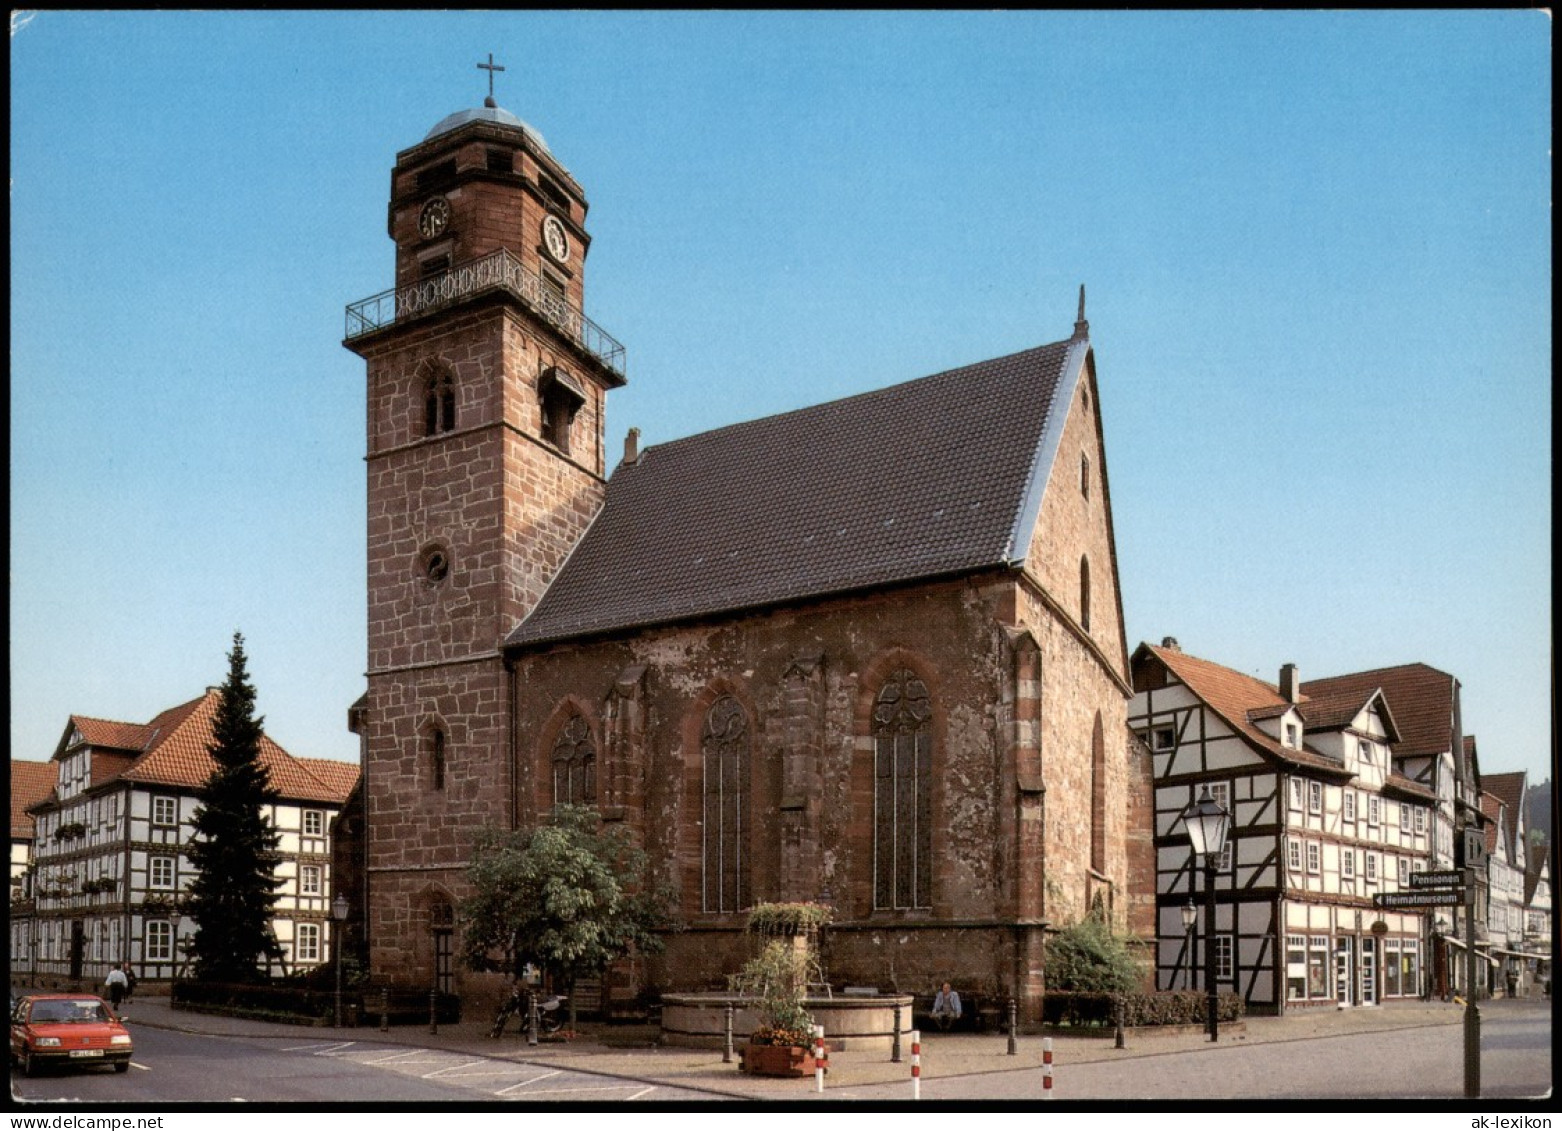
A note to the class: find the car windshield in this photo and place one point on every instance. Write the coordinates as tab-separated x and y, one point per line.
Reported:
56	1012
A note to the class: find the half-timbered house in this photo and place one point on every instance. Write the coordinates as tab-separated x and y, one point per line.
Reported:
1502	800
109	859
1434	752
1320	823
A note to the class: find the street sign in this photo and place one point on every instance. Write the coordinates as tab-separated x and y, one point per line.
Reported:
1436	879
1397	899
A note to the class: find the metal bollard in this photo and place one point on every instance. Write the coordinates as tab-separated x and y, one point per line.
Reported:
726	1052
433	1011
1119	1013
531	1018
384	1010
894	1053
1014	1022
1046	1068
821	1058
916	1064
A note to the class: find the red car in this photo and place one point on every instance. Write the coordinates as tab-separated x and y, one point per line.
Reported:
67	1029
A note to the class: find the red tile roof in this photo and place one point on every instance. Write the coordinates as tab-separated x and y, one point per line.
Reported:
107	733
31	782
1509	789
1398	784
172	750
1420	697
1239	699
342	777
1491	808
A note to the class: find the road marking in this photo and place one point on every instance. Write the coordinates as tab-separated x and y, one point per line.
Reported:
642	1092
561	1091
524	1083
449	1068
301	1048
142	1067
329	1049
393	1056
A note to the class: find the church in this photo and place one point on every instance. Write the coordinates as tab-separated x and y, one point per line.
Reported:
869	653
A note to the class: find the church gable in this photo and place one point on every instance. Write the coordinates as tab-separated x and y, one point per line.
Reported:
1070	549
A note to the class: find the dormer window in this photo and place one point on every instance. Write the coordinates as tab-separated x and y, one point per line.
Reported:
560	399
1293	736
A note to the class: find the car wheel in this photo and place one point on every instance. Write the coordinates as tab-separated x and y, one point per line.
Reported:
122	1066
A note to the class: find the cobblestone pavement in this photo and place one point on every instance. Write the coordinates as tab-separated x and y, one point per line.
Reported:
1415	1046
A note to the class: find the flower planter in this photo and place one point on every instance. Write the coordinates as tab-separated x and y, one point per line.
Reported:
776	1060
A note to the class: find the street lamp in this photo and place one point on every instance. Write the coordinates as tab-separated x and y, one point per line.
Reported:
1206	822
1190	916
339	909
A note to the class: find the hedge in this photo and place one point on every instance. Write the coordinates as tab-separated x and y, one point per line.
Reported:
1172	1007
294	1002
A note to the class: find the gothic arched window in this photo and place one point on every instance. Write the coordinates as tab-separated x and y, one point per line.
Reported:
902	806
574	764
724	749
1084	594
1098	797
439	405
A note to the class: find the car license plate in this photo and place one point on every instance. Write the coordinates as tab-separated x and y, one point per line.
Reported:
86	1052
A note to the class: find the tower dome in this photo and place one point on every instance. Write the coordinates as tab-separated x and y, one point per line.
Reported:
487	113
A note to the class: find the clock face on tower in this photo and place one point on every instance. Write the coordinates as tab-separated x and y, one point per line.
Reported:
434	218
555	239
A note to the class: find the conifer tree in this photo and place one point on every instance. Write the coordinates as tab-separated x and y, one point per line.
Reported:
234	849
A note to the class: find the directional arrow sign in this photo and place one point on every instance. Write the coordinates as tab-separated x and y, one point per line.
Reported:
1436	879
1394	899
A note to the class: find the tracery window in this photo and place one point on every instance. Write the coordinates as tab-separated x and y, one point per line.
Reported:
724	749
439	405
574	764
902	807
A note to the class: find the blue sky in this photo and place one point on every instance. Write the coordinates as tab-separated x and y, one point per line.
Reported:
1317	247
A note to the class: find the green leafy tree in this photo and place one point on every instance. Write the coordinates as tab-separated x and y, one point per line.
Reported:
234	849
1086	957
563	895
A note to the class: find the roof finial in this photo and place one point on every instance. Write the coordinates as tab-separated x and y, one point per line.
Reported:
1081	327
490	67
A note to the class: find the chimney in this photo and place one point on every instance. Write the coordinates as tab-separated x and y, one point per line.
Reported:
1290	686
1170	644
632	446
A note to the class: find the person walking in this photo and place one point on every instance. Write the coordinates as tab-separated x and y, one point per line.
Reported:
117	984
130	982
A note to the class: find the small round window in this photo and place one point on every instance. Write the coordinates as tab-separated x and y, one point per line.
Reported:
434	564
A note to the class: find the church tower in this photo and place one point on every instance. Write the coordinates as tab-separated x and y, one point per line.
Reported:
486	396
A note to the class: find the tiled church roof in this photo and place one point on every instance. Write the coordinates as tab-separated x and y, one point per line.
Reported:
929	478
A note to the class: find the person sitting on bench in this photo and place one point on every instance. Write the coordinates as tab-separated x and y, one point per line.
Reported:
946	1007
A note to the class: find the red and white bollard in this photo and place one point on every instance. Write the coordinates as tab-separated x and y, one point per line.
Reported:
916	1064
821	1058
1046	1068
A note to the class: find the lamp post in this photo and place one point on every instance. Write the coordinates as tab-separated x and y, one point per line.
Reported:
339	909
1206	821
1190	916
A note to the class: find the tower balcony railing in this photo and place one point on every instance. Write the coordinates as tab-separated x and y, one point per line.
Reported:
498	270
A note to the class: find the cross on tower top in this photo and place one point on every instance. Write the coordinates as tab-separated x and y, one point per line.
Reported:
490	67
